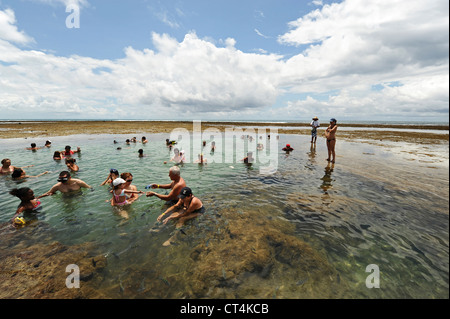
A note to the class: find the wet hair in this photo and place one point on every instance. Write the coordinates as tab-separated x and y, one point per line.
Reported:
144	138
64	174
70	160
17	172
33	144
125	175
67	147
20	192
5	160
48	142
141	151
57	154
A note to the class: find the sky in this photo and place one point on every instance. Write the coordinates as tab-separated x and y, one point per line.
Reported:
355	60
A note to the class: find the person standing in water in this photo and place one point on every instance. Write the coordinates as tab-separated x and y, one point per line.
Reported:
330	135
66	184
175	186
314	124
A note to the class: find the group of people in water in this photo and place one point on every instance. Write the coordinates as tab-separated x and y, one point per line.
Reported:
183	205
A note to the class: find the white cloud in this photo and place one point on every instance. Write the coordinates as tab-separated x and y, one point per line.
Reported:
9	31
348	54
358	43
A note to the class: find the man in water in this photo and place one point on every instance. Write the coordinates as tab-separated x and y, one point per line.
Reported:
175	186
66	184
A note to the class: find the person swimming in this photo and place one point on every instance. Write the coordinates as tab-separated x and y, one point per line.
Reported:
28	204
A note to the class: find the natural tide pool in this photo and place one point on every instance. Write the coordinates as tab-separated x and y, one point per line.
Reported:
309	230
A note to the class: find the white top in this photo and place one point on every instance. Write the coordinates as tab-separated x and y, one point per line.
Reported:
315	123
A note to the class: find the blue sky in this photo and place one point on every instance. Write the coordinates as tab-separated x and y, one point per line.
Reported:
263	60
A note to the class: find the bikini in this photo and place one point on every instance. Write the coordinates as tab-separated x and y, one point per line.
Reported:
200	210
120	195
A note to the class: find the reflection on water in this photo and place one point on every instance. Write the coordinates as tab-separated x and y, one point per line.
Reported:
307	231
326	179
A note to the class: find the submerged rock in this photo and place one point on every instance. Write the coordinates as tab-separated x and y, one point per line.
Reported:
39	271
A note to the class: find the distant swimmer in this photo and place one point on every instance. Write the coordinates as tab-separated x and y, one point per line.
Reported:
33	147
175	186
19	173
69	152
170	143
7	168
330	135
141	153
66	184
57	156
48	143
249	159
201	159
178	156
71	164
144	140
287	148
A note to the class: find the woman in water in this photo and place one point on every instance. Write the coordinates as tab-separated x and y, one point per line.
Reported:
19	173
7	168
71	164
330	135
28	204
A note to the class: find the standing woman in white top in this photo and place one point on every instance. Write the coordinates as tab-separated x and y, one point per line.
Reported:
314	124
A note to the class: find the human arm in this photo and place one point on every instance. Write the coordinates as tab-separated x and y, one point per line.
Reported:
195	204
82	184
108	179
177	205
46	172
51	192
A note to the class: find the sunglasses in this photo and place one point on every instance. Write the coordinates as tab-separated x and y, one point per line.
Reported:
63	180
129	180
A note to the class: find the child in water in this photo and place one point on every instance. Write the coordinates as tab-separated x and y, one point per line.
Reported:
120	197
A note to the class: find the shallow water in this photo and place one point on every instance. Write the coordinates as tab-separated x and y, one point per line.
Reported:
384	205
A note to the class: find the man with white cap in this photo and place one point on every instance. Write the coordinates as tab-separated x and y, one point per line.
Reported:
175	186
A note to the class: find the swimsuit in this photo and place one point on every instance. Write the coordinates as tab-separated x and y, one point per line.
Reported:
116	197
200	210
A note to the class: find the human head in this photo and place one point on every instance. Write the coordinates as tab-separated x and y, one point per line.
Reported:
186	192
17	172
64	176
127	177
288	145
333	120
144	138
114	171
6	162
48	142
118	182
174	172
70	160
23	193
315	118
33	145
57	154
176	151
141	151
67	148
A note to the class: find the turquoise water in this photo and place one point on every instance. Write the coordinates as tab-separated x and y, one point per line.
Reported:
379	204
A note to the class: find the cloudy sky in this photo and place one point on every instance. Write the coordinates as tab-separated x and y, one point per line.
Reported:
235	59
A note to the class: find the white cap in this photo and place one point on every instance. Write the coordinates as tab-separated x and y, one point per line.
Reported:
118	181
